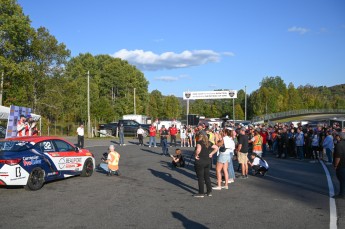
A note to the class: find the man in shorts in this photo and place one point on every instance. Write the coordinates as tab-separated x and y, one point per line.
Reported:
242	152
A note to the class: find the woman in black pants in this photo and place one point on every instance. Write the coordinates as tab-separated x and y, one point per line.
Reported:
203	153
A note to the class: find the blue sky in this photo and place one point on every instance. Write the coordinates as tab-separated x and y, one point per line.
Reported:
200	45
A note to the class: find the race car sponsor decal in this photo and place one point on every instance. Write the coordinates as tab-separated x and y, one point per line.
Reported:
70	162
3	174
52	174
18	174
33	160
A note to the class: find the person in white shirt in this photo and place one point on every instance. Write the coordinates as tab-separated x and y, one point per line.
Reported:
259	165
140	133
224	159
80	132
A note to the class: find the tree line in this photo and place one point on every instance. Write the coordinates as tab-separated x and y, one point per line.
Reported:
39	72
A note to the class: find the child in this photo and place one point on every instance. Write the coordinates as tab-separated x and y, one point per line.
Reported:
112	166
258	165
177	160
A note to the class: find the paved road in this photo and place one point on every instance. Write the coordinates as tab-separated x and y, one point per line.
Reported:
150	194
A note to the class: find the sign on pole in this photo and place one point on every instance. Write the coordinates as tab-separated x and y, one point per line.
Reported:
230	94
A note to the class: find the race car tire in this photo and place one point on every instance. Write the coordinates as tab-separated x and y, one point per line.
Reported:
36	179
87	168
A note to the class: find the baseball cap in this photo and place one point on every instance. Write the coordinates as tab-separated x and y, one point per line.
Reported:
29	116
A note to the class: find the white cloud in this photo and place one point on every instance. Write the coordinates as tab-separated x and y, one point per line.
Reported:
299	30
147	60
167	78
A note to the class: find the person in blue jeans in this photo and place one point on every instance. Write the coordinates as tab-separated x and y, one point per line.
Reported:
164	141
328	145
299	139
122	135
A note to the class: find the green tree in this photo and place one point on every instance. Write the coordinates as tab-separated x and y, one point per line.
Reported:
172	107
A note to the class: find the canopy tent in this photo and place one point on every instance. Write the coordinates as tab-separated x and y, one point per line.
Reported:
5	113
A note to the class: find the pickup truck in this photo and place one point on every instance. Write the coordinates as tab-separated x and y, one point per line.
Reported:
130	127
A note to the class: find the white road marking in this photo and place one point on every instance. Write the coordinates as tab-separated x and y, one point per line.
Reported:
332	205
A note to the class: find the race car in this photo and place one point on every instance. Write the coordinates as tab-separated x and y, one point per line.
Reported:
32	161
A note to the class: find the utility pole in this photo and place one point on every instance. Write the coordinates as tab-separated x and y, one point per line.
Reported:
233	109
88	106
245	103
135	110
1	87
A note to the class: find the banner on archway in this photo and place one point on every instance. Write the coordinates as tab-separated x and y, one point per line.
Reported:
192	95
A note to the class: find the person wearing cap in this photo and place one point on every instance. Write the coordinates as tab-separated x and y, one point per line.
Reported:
257	142
339	163
242	152
259	165
201	130
21	126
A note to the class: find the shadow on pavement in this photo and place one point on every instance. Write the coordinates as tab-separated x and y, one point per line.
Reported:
150	151
187	223
168	178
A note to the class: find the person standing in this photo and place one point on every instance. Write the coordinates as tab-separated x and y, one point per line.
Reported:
257	142
339	163
164	140
173	133
300	143
122	134
242	150
153	132
80	132
140	133
203	164
328	145
183	136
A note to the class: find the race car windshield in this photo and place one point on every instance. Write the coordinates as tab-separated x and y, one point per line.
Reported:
15	145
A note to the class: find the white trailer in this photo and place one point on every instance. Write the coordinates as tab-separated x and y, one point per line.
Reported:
142	119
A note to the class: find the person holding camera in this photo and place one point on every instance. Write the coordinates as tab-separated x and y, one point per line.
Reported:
111	164
178	160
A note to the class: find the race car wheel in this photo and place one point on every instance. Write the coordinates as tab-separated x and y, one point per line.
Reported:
36	179
88	168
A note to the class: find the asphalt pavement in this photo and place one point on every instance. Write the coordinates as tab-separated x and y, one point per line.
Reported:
152	194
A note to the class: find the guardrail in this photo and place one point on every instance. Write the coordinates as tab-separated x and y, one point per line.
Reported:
287	114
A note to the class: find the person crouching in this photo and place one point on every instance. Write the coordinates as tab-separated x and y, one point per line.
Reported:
178	160
111	165
259	165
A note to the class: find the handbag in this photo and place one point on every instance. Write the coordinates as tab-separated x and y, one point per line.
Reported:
222	149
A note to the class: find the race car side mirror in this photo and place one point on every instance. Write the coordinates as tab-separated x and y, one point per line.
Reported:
77	149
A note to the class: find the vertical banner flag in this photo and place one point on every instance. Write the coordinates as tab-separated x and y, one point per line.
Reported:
13	119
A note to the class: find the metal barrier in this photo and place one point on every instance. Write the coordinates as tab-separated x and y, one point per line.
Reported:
296	113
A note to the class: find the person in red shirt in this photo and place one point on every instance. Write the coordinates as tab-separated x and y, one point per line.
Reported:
264	135
173	133
153	132
21	126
